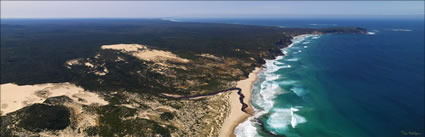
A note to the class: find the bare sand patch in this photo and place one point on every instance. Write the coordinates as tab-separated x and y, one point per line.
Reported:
88	64
236	115
73	62
205	55
15	97
95	69
144	53
69	63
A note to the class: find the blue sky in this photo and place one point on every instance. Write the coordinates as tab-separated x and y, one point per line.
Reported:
207	9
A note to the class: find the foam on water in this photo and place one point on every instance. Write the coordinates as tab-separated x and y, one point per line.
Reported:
371	33
278	63
295	48
298	90
307	42
271	66
247	128
282	119
268	88
292	59
279	57
266	91
296	119
288	82
287	66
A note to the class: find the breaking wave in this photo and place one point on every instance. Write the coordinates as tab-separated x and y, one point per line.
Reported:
371	33
292	59
322	24
283	118
265	91
315	37
299	91
400	29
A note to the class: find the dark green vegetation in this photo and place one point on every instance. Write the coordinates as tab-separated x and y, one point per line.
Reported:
167	116
35	51
113	124
122	74
58	100
44	117
36	118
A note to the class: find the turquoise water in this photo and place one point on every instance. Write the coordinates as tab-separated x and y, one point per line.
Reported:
341	85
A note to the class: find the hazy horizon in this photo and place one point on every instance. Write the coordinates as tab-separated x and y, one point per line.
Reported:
211	9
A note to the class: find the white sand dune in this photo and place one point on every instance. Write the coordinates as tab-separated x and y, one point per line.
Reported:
144	53
15	97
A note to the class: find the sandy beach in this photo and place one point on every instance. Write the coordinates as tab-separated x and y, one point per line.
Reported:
236	116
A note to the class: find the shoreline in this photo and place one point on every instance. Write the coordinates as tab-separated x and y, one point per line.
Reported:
236	115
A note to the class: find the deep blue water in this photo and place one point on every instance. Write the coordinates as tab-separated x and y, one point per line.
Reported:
342	85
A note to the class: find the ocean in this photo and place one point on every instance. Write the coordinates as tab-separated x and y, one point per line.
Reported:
341	85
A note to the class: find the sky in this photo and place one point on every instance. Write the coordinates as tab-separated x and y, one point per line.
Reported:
209	9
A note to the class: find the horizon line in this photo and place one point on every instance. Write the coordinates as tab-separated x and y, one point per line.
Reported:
271	17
